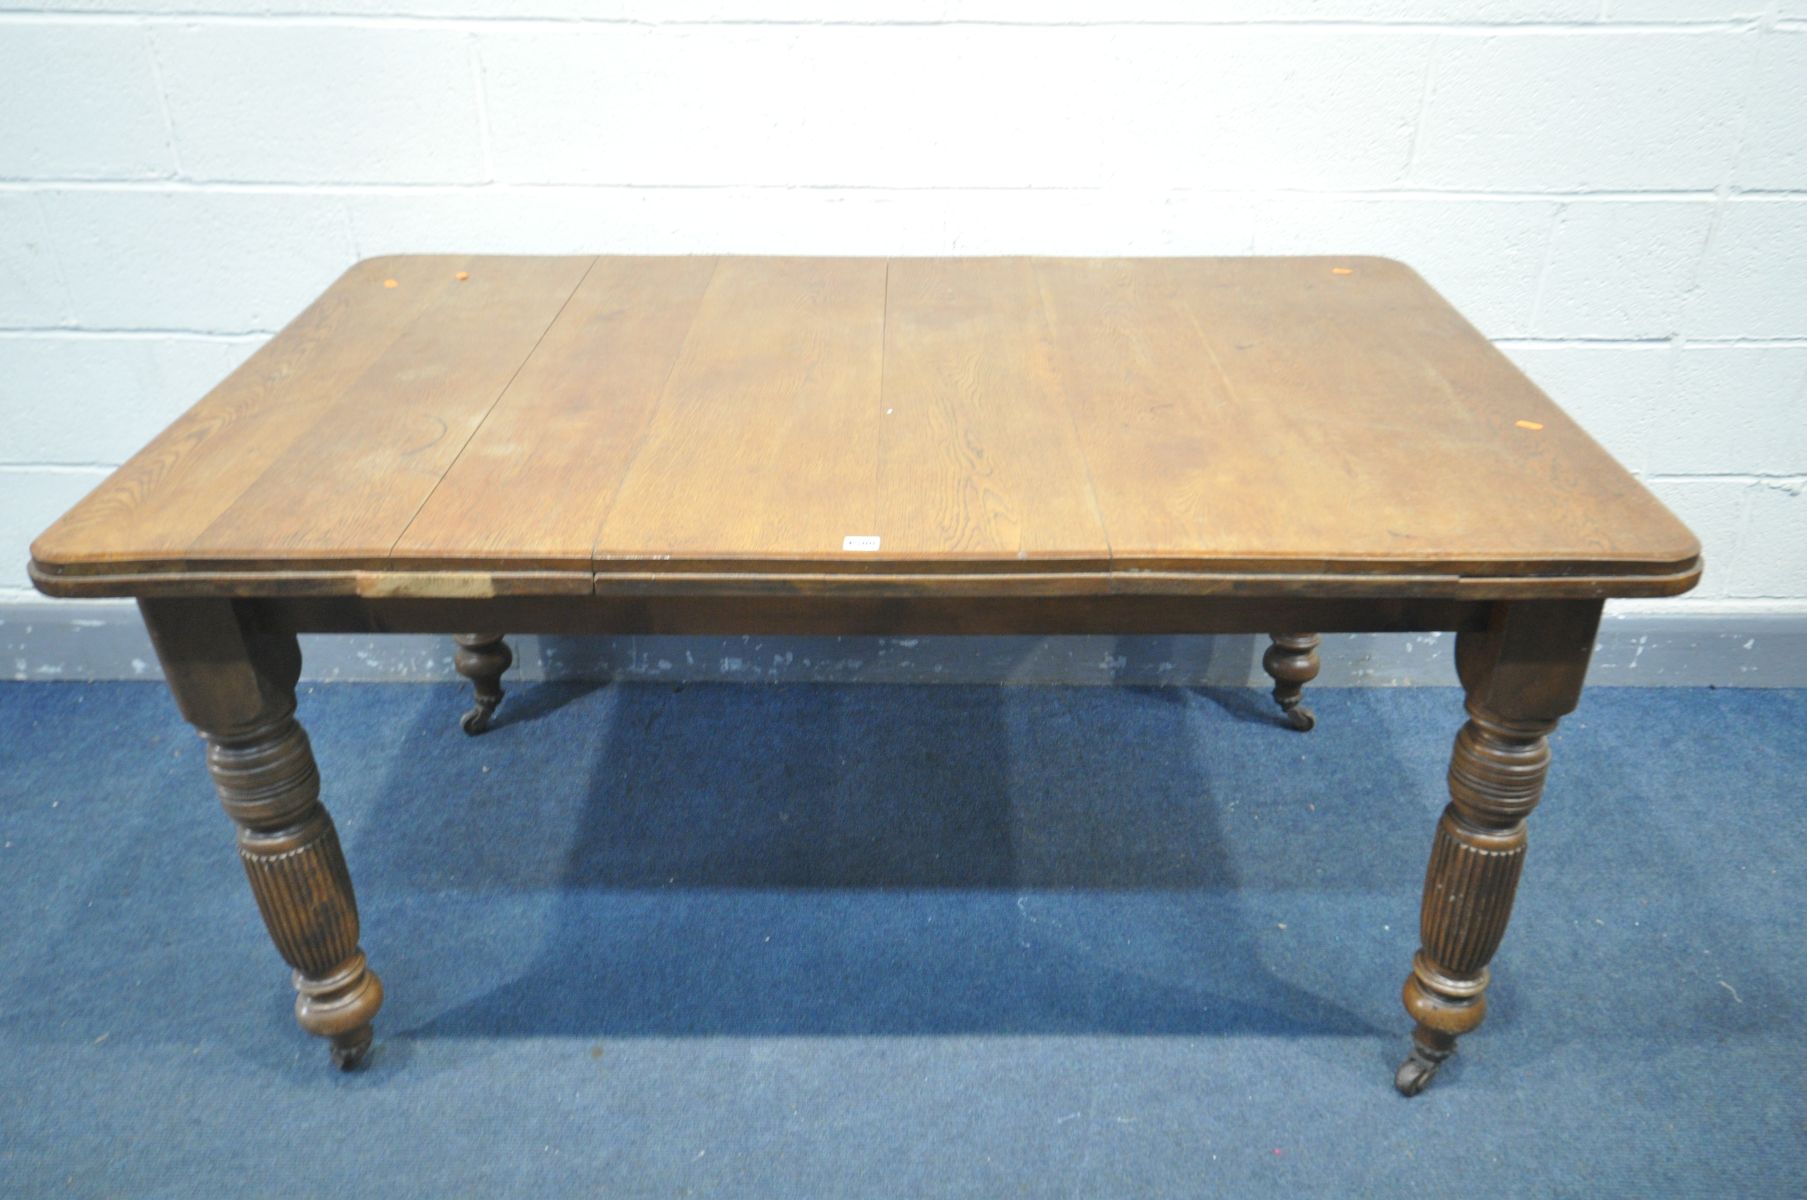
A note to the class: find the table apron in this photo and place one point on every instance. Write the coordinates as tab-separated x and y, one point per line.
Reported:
865	615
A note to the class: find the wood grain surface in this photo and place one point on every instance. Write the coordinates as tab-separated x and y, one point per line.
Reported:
444	426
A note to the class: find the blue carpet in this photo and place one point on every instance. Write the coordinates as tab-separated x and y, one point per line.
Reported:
835	941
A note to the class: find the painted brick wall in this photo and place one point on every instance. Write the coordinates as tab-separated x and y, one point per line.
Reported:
1614	190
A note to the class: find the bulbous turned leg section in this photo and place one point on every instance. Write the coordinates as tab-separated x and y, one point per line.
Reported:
1443	1012
339	1008
482	658
1496	777
1292	661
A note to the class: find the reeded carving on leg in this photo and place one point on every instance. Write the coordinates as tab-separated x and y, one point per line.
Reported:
482	658
269	786
1292	661
236	684
1522	673
1496	777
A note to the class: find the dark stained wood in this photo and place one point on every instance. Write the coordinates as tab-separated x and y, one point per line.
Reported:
235	682
904	616
1292	662
482	658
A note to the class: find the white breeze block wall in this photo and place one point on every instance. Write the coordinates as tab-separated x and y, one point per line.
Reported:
1613	190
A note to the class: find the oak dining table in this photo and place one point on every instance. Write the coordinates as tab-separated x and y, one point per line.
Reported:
484	445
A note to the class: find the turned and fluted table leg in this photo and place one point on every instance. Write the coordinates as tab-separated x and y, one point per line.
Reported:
1292	661
236	684
1521	675
482	658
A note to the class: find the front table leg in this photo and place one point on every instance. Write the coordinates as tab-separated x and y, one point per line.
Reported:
1522	674
236	684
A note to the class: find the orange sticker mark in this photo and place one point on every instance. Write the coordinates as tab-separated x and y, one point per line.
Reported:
390	283
462	276
1342	270
1529	424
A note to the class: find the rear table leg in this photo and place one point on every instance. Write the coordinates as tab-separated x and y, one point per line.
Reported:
1292	661
481	658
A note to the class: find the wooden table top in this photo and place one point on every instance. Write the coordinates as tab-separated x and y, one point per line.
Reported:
445	426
